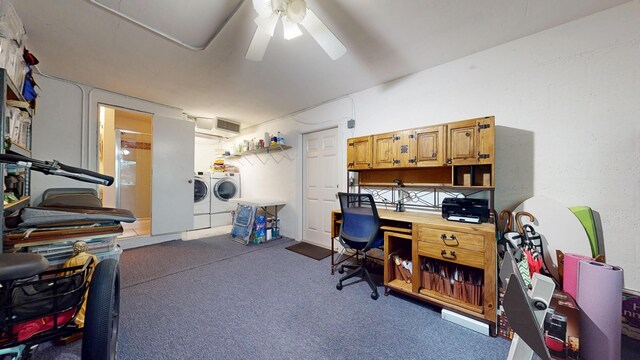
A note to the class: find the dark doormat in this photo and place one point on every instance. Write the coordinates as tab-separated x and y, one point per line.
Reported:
312	251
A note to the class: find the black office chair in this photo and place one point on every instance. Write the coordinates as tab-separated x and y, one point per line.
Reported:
360	231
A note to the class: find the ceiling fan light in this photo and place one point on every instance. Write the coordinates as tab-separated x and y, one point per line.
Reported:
296	11
263	7
279	5
291	30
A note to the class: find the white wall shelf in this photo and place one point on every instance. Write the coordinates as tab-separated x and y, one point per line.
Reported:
267	150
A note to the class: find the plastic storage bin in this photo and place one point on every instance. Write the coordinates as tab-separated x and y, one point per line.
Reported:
113	254
60	252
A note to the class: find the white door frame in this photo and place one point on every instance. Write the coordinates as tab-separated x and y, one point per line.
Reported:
341	154
91	125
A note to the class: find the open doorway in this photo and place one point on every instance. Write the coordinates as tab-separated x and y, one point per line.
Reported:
125	153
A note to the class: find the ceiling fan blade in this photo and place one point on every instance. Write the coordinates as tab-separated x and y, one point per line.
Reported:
323	36
267	23
263	7
258	45
291	29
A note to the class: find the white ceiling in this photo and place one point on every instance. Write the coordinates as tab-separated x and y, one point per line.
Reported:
385	40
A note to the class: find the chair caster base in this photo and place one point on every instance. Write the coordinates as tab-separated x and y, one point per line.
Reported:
374	295
339	286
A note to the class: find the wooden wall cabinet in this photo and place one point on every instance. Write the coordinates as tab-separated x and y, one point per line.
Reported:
471	142
384	150
409	148
359	153
461	151
428	146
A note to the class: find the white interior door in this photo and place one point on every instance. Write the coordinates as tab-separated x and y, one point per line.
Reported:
321	171
172	184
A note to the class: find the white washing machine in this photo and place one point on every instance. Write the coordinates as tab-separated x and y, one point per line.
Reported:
201	200
224	186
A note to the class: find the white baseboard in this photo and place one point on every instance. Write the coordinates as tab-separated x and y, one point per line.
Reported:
138	241
467	322
203	233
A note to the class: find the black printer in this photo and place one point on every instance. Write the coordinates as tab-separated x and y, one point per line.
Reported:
465	210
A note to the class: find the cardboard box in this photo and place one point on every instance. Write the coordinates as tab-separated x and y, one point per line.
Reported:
504	329
631	314
561	326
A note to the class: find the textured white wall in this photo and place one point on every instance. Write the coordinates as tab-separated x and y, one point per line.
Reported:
567	107
57	133
207	151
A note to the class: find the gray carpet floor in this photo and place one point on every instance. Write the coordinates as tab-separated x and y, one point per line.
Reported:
217	299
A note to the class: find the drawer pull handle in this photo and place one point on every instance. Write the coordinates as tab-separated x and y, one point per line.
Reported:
452	255
451	241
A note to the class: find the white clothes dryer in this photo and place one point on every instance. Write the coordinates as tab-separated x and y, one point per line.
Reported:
201	200
224	186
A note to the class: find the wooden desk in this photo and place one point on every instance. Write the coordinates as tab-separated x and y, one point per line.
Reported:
430	239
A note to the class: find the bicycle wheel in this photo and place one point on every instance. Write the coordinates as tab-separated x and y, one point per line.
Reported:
100	341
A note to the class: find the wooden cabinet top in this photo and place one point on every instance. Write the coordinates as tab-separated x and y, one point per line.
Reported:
485	119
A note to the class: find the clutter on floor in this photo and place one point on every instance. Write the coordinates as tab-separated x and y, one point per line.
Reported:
582	318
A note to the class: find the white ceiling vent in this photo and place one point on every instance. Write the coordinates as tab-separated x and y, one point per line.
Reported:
204	123
227	126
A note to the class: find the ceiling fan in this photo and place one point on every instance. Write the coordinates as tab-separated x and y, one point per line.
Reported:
293	13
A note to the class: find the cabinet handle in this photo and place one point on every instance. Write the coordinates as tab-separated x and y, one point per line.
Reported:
452	255
449	161
444	239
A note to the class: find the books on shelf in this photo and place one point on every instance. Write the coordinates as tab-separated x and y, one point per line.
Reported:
17	125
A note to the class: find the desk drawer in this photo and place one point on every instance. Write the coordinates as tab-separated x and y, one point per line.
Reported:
447	253
451	240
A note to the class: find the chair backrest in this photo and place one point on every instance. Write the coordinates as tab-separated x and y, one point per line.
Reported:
360	220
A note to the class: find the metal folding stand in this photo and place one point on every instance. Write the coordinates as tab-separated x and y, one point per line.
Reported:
526	311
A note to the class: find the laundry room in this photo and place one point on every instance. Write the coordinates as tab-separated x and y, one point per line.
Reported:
275	176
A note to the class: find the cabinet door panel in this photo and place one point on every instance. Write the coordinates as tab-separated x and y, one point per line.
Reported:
462	142
383	150
359	153
452	239
428	146
485	140
404	154
459	256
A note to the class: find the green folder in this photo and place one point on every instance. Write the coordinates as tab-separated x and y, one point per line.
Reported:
583	213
